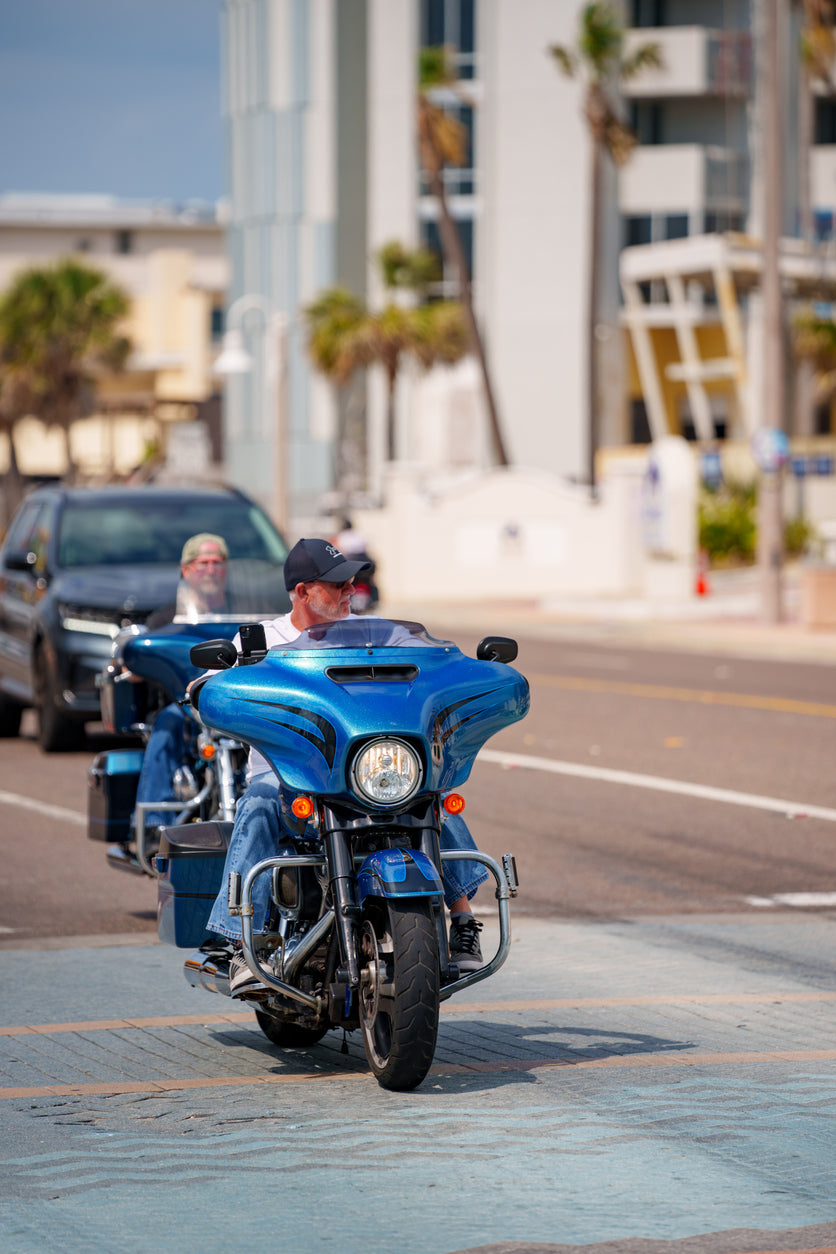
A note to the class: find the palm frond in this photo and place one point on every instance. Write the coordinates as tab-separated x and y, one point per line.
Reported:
565	59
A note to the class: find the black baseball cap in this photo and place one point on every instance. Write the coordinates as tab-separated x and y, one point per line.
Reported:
317	559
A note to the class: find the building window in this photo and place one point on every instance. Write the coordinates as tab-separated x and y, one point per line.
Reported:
649	13
431	239
218	322
646	118
451	23
124	242
719	220
821	419
825	121
639	425
822	226
638	230
676	225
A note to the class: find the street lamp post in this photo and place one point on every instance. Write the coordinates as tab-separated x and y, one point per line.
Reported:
234	359
770	516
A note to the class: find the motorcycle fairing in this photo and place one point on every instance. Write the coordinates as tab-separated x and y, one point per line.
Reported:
163	656
309	724
398	873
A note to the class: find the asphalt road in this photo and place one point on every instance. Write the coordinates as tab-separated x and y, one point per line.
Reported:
651	1070
641	782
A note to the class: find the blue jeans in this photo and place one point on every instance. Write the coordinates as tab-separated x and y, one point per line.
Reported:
258	834
164	752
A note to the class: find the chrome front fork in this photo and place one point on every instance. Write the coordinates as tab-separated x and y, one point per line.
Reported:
240	900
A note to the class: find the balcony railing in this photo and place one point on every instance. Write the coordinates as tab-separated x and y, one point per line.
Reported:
696	61
683	178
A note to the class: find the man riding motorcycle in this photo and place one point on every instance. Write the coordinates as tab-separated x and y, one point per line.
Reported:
320	580
202	591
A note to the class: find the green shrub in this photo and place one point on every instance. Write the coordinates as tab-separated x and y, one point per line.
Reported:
728	529
798	534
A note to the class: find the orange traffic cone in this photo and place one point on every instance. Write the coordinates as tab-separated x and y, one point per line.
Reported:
702	589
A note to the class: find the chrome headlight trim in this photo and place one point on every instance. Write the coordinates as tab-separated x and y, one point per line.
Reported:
386	772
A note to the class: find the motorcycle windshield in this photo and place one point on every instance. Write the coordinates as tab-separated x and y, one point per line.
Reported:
310	705
366	632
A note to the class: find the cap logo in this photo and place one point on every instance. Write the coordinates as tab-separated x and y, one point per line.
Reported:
329	548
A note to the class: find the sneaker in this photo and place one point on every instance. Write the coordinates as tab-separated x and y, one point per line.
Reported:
465	950
242	982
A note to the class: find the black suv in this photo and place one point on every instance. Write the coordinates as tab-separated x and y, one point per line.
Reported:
78	564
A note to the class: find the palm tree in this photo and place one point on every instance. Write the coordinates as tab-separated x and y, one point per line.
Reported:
442	142
345	336
598	58
58	332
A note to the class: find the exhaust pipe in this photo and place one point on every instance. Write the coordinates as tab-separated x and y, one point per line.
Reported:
209	971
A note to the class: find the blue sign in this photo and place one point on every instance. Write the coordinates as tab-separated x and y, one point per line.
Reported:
816	465
712	469
771	449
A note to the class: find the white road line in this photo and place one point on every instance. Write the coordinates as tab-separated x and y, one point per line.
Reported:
40	807
794	809
799	900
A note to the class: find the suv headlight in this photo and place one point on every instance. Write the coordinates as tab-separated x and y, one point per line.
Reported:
386	772
82	618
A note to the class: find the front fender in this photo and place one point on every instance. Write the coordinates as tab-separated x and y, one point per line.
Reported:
398	873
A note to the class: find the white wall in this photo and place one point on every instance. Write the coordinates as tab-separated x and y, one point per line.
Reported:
532	155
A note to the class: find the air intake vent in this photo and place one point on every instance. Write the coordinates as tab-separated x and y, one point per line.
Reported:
370	674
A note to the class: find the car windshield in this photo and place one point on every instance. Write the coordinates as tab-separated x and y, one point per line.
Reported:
366	632
152	531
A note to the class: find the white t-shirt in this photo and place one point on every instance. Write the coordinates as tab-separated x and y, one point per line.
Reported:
276	631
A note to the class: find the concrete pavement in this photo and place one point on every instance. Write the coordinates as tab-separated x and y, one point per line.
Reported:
634	1080
663	1085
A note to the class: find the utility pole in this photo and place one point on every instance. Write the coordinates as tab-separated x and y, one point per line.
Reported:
770	511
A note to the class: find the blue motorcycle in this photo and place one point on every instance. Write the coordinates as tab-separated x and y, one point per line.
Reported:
150	671
371	726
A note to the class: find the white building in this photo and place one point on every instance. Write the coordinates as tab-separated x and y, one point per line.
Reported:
320	107
172	264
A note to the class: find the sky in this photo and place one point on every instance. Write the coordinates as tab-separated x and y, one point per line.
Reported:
118	97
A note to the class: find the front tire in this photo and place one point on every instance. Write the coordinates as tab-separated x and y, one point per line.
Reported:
10	716
55	731
399	988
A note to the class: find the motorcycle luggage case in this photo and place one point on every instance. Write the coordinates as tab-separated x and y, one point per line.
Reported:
112	781
122	699
190	865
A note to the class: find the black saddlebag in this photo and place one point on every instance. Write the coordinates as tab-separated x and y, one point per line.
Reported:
190	866
123	700
112	781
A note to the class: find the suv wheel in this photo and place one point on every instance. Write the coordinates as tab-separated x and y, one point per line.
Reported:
10	715
55	730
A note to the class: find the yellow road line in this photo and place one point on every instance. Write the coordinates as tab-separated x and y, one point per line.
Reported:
112	1025
462	1008
361	1072
698	696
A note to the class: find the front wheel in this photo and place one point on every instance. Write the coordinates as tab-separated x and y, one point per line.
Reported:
10	716
399	987
55	730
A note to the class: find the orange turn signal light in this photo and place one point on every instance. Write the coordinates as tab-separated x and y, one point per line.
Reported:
207	752
302	807
453	803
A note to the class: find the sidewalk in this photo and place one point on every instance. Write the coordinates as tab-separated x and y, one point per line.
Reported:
726	621
627	1081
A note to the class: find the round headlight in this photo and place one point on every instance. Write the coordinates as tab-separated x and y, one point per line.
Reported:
386	772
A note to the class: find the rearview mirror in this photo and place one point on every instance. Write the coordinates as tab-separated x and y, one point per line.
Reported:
21	560
496	649
213	655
